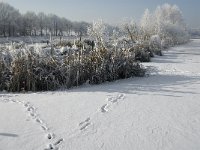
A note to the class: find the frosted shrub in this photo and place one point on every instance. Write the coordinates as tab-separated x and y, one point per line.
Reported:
116	66
141	53
4	76
155	44
177	34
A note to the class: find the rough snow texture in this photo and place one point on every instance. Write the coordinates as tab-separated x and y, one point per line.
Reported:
158	112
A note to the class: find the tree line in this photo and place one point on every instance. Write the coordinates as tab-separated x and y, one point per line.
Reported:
13	23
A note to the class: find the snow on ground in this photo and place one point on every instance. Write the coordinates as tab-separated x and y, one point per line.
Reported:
158	112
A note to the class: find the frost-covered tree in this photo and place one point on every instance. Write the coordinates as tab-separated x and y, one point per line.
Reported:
166	22
98	32
4	16
8	19
131	30
41	19
169	23
147	26
31	23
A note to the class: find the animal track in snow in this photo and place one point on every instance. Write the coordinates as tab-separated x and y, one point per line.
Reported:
111	101
32	112
58	142
44	127
30	108
50	136
115	99
39	120
51	147
104	108
54	146
26	104
84	124
86	120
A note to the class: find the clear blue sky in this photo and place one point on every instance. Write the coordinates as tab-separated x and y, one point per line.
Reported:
111	11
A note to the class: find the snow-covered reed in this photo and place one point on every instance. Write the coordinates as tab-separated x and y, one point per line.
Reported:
38	69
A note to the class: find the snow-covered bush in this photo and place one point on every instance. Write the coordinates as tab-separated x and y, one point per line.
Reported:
141	52
155	44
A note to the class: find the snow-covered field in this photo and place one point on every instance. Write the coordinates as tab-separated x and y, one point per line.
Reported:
158	112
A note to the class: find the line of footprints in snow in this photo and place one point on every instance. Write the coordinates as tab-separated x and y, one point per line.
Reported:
50	136
103	109
31	110
33	114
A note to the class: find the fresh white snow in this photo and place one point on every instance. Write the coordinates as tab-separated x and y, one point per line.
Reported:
157	112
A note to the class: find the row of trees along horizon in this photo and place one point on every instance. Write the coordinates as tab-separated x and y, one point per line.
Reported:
13	23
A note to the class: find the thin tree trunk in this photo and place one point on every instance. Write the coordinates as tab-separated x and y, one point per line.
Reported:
13	30
9	30
4	30
41	33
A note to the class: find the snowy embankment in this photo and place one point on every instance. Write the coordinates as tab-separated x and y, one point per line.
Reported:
158	112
